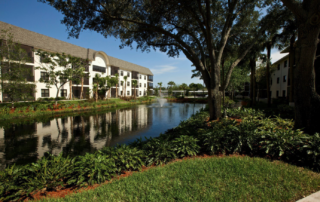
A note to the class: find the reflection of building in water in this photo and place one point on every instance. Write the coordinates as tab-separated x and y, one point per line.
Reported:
73	135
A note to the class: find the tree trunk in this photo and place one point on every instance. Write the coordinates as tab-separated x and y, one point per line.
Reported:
70	86
258	92
253	81
96	95
116	90
81	93
125	88
306	99
58	89
268	73
214	101
223	84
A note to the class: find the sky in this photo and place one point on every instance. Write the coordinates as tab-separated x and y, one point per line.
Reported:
44	19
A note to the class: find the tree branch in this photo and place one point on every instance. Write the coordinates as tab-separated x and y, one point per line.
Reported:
298	11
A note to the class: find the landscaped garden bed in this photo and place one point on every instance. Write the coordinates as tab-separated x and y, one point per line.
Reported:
245	132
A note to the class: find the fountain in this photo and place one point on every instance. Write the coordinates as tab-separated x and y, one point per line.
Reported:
161	100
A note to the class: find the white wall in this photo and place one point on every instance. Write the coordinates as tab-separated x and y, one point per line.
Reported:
281	86
123	88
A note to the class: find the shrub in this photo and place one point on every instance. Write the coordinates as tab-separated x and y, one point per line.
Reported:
125	157
158	150
185	145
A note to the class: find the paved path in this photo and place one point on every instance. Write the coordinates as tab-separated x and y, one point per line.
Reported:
315	197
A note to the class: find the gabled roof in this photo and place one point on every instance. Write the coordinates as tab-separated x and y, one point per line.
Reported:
40	41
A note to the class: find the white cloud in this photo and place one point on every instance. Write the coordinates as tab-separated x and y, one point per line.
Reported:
163	69
276	56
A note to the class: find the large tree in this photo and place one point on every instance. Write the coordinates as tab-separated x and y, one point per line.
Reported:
195	27
15	73
306	99
60	69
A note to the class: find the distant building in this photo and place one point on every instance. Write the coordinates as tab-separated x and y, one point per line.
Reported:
279	81
99	63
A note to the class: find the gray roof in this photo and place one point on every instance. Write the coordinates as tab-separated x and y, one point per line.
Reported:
40	41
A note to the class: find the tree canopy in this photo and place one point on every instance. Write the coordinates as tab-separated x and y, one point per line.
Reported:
198	28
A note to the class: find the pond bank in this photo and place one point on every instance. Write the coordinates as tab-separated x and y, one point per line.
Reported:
41	109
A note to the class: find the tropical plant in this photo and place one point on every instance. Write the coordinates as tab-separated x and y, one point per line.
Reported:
160	85
134	84
125	85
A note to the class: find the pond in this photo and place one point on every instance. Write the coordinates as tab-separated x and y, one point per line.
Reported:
76	134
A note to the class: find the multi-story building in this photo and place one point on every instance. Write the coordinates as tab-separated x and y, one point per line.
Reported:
99	63
279	81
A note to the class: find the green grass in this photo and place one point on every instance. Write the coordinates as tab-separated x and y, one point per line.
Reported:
214	179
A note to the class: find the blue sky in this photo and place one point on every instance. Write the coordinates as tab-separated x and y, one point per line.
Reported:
44	19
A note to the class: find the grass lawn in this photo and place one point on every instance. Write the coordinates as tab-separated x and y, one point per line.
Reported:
209	179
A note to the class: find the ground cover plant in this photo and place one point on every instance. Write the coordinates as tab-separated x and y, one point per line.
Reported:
245	131
30	109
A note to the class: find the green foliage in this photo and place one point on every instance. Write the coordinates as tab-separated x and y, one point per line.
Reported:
91	169
255	135
185	146
158	150
14	71
125	157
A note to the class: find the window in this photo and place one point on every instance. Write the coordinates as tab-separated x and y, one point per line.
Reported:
121	83
285	78
140	84
128	92
283	93
98	69
140	76
270	82
128	83
285	63
121	92
44	92
145	85
278	80
128	74
277	93
145	77
44	76
63	93
139	92
121	73
278	66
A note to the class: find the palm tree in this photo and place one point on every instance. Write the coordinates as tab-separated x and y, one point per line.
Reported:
97	80
134	84
183	86
171	83
95	89
160	84
125	85
117	81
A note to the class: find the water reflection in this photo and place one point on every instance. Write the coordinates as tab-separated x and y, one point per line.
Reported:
77	135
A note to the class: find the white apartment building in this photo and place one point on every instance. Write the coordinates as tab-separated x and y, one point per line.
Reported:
99	63
279	80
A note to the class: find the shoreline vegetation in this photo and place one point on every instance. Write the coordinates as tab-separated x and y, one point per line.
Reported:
246	132
34	109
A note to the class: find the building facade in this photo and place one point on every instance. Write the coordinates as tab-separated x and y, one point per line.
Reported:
279	79
99	63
